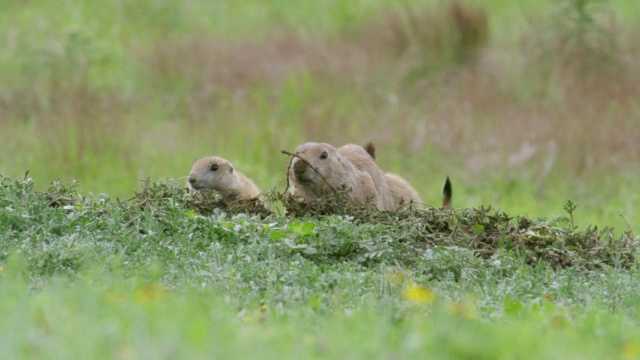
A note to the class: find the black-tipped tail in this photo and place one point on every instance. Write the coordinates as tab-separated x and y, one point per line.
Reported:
447	194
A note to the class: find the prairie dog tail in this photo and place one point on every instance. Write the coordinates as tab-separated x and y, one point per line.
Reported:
447	194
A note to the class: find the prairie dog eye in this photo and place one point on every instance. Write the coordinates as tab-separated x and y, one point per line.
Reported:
214	167
324	155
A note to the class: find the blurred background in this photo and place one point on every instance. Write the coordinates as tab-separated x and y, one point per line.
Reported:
525	105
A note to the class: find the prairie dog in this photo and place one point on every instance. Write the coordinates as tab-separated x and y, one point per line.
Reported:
216	173
361	159
402	191
338	167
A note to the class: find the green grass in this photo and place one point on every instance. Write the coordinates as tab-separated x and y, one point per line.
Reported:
128	322
541	111
154	279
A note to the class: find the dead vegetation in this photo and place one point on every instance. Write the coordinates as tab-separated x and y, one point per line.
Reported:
205	203
482	230
486	232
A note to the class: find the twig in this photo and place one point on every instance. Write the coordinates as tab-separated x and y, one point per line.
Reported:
628	226
306	162
288	167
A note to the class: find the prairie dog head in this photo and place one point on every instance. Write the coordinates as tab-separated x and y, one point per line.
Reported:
326	159
213	173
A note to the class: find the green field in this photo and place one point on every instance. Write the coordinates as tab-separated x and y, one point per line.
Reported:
524	105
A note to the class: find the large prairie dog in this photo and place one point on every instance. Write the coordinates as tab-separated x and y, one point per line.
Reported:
361	159
216	173
336	168
400	189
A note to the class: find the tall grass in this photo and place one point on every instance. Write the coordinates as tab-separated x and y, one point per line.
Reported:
110	94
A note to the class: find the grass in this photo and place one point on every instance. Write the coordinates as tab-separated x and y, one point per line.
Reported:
524	106
156	279
207	326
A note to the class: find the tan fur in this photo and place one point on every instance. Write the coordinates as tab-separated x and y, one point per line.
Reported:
402	191
230	183
361	159
349	165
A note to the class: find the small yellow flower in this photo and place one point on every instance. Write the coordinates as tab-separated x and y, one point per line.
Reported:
1	270
253	319
149	293
419	295
630	351
465	309
549	297
254	316
250	319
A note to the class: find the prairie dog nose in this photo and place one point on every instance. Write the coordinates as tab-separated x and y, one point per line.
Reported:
192	179
299	167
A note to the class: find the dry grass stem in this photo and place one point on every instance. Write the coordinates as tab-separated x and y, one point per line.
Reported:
308	164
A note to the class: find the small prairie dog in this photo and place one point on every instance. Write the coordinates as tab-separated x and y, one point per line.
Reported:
338	167
216	173
401	189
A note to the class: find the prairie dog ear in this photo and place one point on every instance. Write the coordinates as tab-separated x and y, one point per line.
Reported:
231	169
371	149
